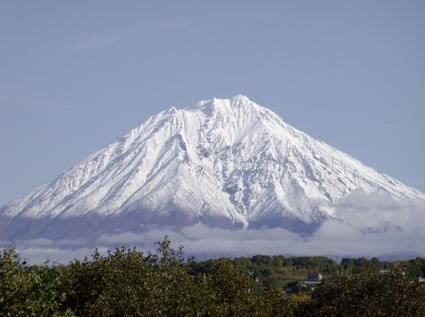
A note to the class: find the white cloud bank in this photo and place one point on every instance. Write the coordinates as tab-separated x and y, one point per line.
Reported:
372	225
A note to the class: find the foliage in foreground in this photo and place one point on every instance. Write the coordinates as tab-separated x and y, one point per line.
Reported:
126	282
368	294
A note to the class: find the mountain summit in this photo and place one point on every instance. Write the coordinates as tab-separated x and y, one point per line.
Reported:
224	162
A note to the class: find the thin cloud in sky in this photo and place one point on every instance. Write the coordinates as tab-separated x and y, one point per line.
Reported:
99	41
177	26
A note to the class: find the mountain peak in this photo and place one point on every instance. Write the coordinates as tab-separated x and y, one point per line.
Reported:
229	107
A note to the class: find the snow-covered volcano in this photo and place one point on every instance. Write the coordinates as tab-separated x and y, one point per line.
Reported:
228	163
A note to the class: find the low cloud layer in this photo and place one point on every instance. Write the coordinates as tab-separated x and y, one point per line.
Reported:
375	212
370	225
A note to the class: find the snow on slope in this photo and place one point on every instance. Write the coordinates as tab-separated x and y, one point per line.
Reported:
222	158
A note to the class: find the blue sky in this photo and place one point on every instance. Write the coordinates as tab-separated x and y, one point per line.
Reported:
76	75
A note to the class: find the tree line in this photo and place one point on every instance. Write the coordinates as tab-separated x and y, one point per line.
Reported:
126	282
279	271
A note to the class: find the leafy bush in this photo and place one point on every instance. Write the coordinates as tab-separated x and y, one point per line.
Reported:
369	294
26	292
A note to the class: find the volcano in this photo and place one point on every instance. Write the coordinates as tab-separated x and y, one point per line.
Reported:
226	163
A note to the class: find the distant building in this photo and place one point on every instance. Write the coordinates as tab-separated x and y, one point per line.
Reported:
421	279
314	278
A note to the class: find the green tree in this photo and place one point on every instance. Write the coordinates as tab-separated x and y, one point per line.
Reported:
25	292
127	283
368	294
234	292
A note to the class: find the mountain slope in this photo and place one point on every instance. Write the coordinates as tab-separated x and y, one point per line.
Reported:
228	163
